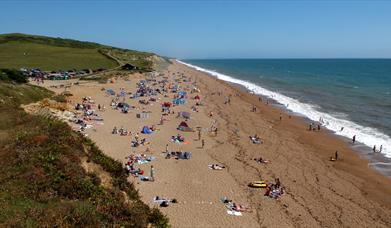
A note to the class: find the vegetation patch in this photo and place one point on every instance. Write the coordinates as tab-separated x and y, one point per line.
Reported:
11	75
56	54
42	179
22	54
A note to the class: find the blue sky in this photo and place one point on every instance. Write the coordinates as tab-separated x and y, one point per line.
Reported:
213	29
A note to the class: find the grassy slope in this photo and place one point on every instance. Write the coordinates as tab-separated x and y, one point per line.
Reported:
42	182
55	53
46	57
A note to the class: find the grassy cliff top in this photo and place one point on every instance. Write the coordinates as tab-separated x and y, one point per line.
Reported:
49	53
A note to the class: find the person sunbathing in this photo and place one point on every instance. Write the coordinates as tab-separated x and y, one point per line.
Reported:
239	207
261	160
255	139
217	167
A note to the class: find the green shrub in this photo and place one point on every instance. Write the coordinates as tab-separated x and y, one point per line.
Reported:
12	75
60	98
44	184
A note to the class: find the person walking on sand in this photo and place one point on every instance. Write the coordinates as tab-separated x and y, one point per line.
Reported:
374	148
152	173
336	155
199	134
166	148
202	143
354	139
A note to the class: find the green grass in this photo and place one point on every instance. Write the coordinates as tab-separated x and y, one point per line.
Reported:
59	42
139	59
17	54
16	94
42	182
48	53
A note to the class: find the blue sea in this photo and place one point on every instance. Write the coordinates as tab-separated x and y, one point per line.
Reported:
351	93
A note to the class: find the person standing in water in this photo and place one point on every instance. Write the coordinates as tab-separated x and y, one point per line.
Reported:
381	148
374	148
354	139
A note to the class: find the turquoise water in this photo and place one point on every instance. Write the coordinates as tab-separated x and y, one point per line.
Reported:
350	93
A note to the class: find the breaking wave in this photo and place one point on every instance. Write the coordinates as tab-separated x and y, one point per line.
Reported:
366	135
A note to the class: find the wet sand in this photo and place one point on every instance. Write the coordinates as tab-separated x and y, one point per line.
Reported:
319	193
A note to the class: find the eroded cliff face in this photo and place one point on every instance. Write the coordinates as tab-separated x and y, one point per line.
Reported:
158	62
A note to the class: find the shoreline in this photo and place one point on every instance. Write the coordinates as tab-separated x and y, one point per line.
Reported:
301	124
367	135
377	161
318	193
362	150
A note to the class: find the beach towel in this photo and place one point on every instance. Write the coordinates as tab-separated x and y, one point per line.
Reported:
211	167
145	161
144	178
186	129
236	213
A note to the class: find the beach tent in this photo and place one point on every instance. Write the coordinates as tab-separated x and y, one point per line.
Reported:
185	115
110	92
178	101
123	105
146	130
125	109
183	126
182	93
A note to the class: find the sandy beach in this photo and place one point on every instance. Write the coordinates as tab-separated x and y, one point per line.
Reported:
317	192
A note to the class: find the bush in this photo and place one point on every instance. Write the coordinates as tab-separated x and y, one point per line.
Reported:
12	75
60	98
